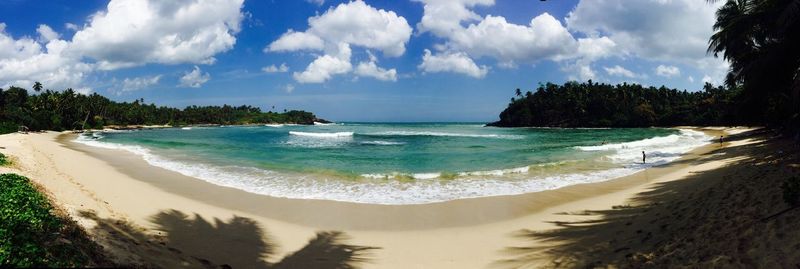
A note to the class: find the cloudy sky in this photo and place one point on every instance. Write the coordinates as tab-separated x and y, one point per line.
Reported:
380	60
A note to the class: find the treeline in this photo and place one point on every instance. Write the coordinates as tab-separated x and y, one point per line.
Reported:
68	110
591	104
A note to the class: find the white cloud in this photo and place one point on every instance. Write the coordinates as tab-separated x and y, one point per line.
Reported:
322	69
674	31
543	38
649	28
579	70
72	26
46	33
195	78
128	33
444	17
289	88
326	66
24	60
293	41
371	69
354	23
457	62
585	72
667	71
708	79
715	68
136	32
138	83
275	69
690	79
84	90
316	2
592	49
620	72
493	36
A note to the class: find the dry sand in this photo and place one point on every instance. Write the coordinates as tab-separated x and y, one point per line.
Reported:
149	215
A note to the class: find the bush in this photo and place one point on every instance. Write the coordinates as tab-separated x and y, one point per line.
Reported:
791	191
31	235
8	127
4	160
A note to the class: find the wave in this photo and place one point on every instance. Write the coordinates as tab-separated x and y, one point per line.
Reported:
424	176
659	150
322	135
445	134
424	188
382	143
274	125
186	128
271	183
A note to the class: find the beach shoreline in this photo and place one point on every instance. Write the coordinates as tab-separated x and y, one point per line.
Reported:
409	236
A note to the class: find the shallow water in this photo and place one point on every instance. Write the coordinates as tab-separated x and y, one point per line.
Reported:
399	163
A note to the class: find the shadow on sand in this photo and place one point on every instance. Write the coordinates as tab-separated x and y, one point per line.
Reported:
192	241
709	219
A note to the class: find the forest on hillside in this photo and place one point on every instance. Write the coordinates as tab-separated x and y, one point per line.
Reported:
760	41
592	104
68	110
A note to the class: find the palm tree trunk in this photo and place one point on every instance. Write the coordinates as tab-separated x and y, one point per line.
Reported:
83	126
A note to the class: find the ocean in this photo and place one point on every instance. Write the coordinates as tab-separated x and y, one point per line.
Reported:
399	163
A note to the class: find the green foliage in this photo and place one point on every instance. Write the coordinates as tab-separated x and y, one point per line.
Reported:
68	110
590	104
30	234
4	160
759	38
791	191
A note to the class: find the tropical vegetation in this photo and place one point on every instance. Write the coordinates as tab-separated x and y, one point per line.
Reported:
69	110
32	235
592	104
760	40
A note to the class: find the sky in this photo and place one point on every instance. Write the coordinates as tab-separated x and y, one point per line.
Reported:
373	60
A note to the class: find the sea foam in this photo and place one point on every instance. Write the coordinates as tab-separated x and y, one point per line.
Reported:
376	189
322	135
425	133
659	150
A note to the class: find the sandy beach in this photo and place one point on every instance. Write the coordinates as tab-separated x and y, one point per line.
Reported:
148	215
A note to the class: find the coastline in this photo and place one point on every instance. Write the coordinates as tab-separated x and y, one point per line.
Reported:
408	235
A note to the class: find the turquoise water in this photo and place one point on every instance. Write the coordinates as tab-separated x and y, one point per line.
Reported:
399	163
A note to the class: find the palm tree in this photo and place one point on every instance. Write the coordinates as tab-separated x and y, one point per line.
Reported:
37	86
759	38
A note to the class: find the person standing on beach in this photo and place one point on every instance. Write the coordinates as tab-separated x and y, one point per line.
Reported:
644	157
720	140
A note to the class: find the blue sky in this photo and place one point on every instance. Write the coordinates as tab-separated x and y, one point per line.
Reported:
399	60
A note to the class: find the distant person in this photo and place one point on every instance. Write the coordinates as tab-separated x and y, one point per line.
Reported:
644	157
720	140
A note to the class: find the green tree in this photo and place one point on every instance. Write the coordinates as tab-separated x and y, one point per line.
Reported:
37	86
760	40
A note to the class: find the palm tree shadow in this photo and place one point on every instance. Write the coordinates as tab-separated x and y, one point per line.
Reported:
239	242
326	251
659	224
192	241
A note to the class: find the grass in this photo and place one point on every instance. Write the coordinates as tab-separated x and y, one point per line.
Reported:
4	160
33	235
